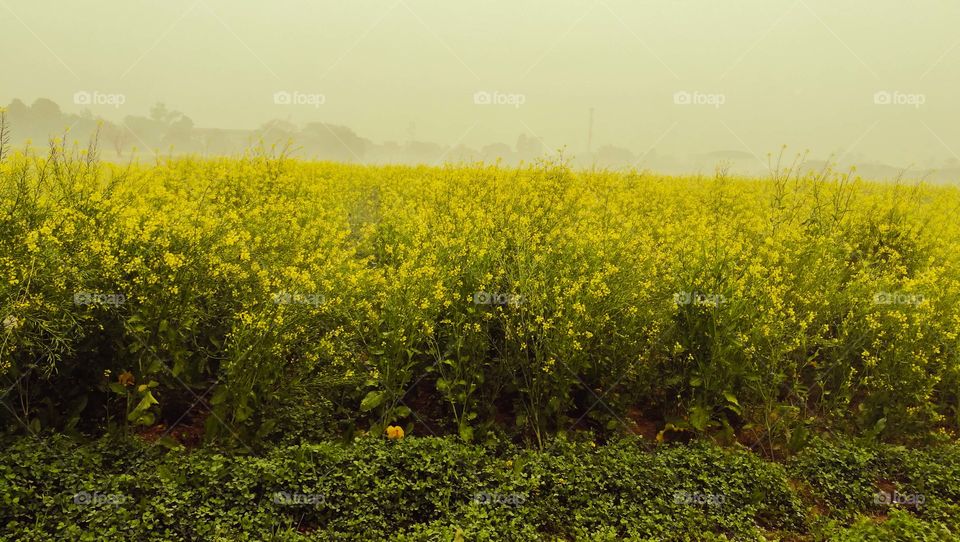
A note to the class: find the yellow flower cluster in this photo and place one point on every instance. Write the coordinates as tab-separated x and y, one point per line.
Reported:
539	281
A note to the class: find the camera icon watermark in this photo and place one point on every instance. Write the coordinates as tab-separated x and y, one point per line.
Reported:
897	298
501	499
95	97
895	97
94	298
698	299
288	498
295	97
914	500
484	97
86	498
698	499
696	97
495	298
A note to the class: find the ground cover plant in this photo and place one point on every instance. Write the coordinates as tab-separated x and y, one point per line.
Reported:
433	488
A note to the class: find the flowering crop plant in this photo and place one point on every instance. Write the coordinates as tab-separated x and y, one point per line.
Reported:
476	300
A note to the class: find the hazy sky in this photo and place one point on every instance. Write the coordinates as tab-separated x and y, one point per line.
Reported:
757	73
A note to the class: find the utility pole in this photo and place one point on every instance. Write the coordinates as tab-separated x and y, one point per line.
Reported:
590	133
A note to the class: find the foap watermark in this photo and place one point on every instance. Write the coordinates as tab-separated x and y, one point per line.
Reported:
484	97
295	97
288	498
895	97
296	298
95	298
502	499
699	299
698	499
95	97
896	498
495	298
86	498
686	97
897	298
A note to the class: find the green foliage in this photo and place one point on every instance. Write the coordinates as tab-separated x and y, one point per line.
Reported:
900	526
431	488
844	479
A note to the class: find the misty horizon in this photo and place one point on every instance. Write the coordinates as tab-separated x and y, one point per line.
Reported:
168	132
745	79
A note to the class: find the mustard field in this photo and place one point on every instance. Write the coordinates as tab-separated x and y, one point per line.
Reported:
476	301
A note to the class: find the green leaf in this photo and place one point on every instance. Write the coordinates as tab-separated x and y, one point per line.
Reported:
466	433
799	438
155	367
219	396
372	401
266	427
147	401
212	426
732	403
169	442
79	406
141	418
879	427
242	412
699	418
518	465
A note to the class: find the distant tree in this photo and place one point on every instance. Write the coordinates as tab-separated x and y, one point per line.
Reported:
616	157
43	108
45	119
180	134
332	142
17	109
18	121
423	152
497	151
529	148
160	113
216	142
276	132
117	136
462	154
145	131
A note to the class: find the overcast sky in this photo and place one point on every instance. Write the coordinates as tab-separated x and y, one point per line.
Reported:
680	76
